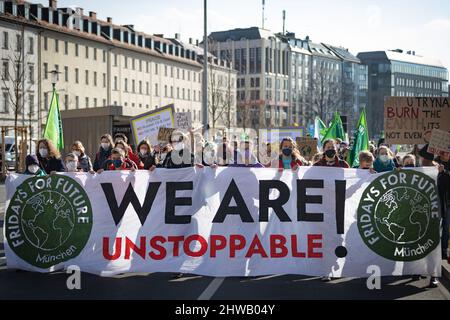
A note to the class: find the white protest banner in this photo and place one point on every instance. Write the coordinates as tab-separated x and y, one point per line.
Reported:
146	126
226	222
183	120
439	142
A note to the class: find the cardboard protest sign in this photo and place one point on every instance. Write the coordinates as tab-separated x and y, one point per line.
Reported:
164	134
410	120
307	147
183	120
146	126
439	142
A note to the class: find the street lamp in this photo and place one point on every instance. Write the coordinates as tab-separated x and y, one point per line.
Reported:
55	77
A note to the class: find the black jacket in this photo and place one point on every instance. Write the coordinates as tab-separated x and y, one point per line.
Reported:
443	183
100	158
149	161
52	164
179	161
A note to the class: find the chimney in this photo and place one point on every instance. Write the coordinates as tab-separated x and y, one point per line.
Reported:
80	11
109	20
190	40
177	36
93	15
196	42
53	4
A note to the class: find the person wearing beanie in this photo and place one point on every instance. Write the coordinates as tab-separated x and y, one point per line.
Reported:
426	158
32	166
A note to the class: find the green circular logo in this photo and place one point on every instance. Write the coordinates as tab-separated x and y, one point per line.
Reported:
398	215
49	220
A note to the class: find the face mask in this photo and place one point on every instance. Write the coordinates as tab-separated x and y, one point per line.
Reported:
179	146
384	158
105	145
331	153
409	165
43	152
77	153
143	152
71	166
33	168
287	152
117	163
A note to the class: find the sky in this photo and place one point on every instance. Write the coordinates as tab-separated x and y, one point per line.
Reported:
359	25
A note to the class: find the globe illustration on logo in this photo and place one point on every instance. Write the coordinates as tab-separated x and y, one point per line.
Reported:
48	220
400	228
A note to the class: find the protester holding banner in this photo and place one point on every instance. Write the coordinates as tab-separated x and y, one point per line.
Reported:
84	162
289	157
104	151
146	155
384	161
71	163
118	161
409	161
330	157
32	164
129	152
130	156
366	161
49	157
177	153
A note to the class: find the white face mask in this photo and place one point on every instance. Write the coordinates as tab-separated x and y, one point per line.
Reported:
43	152
105	145
33	168
77	153
143	152
384	158
71	166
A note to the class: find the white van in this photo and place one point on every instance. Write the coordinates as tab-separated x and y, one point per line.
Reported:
10	150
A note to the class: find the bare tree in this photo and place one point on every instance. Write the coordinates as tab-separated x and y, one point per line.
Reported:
245	110
326	95
15	83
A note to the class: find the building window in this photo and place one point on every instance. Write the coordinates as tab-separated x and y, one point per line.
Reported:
56	45
183	74
31	74
5	102
77	48
165	91
66	102
46	100
165	70
95	78
5	70
133	89
115	60
140	65
77	102
104	102
95	102
126	62
87	77
104	80
87	52
147	88
156	68
126	85
140	87
156	90
77	76
45	70
87	102
115	83
45	44
104	56
171	72
178	93
133	64
178	73
95	54
147	67
66	48
5	40
171	91
183	94
30	45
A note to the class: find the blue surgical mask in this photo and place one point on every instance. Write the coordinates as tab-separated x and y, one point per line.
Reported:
117	163
287	152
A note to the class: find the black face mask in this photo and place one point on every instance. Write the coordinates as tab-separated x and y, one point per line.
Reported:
287	152
331	153
366	168
409	166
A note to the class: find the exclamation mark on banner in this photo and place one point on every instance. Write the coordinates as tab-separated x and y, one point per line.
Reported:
340	185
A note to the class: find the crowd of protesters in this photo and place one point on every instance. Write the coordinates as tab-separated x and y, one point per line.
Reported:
192	149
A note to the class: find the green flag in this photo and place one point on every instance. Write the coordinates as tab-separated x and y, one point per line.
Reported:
361	140
336	129
53	128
